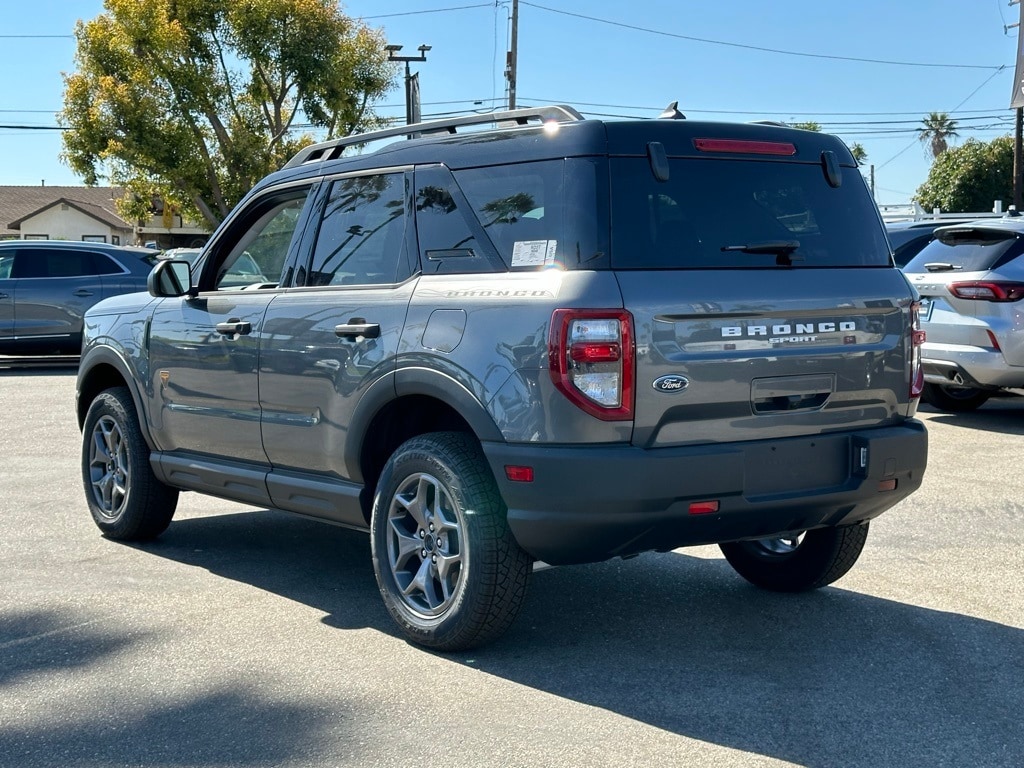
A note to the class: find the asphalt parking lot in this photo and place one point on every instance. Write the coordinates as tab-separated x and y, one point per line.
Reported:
250	637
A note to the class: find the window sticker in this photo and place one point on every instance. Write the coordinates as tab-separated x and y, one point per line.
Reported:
534	253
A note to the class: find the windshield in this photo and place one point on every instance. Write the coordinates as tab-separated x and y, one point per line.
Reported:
715	213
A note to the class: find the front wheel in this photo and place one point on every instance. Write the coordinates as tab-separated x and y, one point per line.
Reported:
955	399
127	501
449	571
798	563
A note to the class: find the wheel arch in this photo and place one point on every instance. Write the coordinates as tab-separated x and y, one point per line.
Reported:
423	401
105	369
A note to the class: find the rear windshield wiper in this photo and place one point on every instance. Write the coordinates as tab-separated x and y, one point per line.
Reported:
782	249
941	266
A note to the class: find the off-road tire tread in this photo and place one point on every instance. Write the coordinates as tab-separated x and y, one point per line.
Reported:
502	571
151	504
824	556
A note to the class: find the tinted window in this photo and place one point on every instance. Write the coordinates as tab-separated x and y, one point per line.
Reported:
362	238
967	250
730	214
6	262
444	228
104	265
51	262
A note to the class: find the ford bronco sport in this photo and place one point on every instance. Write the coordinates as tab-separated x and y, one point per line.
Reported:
547	339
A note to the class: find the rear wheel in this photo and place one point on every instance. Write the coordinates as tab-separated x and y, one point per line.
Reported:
125	498
449	571
956	399
800	562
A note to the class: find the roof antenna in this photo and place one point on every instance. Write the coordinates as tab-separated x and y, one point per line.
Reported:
671	113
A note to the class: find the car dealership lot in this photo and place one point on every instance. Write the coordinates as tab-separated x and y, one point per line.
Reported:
249	637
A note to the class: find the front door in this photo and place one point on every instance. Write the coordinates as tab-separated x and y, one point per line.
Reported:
204	349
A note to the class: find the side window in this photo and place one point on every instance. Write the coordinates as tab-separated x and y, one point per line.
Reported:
519	207
362	237
256	248
446	240
104	265
45	262
6	263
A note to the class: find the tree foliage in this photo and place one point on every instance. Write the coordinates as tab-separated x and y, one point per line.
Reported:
969	177
937	128
194	101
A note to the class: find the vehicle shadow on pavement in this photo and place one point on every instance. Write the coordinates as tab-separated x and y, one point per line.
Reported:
130	725
1004	415
681	643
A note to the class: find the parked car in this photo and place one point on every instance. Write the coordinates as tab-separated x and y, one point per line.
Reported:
560	339
909	237
971	281
243	272
46	286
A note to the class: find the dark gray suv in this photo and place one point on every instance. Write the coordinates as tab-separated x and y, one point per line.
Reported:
556	339
47	285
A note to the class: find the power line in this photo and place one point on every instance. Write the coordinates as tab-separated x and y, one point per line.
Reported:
677	36
432	10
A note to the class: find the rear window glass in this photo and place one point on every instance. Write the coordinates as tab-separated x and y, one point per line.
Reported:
967	250
737	214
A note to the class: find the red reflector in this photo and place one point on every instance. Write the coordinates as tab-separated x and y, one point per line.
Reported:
745	146
595	352
887	485
994	340
918	338
703	507
519	474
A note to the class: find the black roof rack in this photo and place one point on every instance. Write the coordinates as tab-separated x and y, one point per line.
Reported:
332	149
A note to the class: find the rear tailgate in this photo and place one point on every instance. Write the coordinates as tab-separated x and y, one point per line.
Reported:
726	356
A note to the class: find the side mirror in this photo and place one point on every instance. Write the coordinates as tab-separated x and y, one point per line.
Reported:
170	279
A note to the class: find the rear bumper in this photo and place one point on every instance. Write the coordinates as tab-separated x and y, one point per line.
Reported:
956	365
590	503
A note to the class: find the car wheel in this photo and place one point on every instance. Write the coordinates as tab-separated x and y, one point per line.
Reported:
127	501
449	571
798	563
956	399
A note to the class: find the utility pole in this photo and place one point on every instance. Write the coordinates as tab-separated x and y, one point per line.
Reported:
510	61
412	91
1017	102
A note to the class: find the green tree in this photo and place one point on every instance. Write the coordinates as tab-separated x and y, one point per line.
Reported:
859	153
194	101
969	177
937	128
808	125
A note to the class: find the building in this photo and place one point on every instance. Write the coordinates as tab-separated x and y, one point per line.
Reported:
88	213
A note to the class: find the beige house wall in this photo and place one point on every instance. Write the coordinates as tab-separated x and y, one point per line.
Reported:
69	224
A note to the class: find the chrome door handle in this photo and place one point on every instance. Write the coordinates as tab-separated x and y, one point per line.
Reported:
83	292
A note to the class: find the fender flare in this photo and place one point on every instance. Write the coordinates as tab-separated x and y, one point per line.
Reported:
108	356
414	381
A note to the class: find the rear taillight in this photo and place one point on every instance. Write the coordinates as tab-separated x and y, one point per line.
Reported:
988	290
916	340
591	360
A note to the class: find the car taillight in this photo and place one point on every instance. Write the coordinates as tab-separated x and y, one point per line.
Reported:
745	146
917	337
591	360
988	290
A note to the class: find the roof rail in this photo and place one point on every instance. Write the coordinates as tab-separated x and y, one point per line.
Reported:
329	150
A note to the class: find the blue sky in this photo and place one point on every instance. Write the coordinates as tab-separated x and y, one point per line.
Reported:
721	60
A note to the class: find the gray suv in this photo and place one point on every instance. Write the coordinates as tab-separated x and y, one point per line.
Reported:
547	339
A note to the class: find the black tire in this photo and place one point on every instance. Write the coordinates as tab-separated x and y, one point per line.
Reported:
125	498
449	571
955	399
799	563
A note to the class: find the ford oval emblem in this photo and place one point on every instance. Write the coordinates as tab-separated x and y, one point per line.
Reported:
671	383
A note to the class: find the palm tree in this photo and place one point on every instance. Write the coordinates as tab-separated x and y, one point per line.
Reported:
859	153
938	127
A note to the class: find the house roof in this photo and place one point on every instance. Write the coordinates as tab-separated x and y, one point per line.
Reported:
20	203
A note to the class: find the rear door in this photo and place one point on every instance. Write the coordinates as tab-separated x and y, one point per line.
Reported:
763	300
326	341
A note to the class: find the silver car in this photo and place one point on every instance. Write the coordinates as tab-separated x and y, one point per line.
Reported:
971	281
